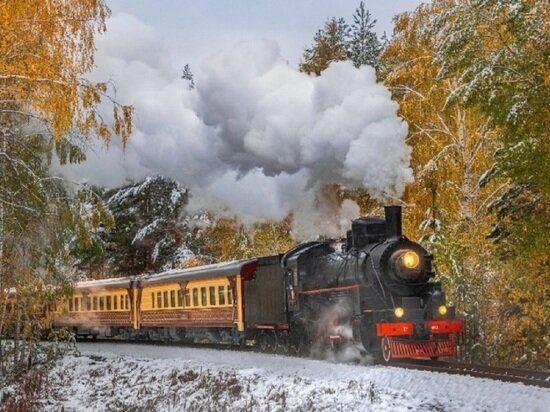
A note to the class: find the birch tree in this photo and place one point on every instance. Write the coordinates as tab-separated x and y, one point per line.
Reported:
46	103
452	149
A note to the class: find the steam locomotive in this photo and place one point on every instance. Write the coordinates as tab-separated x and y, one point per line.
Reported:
374	288
378	287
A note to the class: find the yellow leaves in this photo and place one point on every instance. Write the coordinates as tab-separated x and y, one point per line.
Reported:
228	239
123	122
45	48
193	262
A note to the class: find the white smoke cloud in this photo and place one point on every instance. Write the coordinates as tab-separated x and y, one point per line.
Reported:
256	135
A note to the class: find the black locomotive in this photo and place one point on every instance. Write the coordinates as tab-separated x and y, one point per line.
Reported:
375	288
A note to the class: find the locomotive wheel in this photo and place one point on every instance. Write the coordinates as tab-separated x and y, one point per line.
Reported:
283	344
263	342
386	349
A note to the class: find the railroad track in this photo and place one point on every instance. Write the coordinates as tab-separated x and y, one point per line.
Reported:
527	377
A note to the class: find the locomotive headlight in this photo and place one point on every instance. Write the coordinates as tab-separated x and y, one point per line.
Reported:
406	264
442	310
399	312
410	259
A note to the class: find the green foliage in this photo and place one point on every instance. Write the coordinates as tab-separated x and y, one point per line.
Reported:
338	41
188	75
329	45
136	229
472	81
364	46
501	51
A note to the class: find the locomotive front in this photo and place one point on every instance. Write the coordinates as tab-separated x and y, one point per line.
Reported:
403	313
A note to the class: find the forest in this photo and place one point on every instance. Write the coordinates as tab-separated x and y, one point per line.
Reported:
471	79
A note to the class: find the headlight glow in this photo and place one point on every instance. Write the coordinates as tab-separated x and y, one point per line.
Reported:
442	310
410	259
399	312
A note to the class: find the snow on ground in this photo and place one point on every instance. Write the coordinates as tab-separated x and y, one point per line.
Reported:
158	378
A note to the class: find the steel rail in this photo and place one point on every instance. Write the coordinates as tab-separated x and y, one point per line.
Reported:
527	377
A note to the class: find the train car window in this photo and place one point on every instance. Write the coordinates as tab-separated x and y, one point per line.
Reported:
77	304
172	298
165	300
102	303
71	307
95	303
195	297
127	299
229	296
88	303
203	296
153	300
187	298
180	298
115	302
159	300
212	295
221	295
108	303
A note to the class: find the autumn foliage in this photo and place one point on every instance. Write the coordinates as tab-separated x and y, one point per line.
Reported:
46	46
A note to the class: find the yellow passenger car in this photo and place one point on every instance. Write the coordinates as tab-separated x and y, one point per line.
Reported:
98	306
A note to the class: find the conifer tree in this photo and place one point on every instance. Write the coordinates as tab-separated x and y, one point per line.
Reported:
188	75
364	46
329	45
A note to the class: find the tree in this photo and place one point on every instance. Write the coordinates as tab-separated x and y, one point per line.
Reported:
453	66
188	75
46	47
500	53
364	46
329	45
452	149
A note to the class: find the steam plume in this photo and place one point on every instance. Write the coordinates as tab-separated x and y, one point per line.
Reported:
256	135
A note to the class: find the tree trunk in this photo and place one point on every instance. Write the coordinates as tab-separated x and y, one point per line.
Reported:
17	337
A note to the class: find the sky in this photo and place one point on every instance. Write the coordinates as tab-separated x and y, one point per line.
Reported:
196	28
255	137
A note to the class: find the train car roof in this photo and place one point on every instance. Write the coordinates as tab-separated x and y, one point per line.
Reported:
245	268
112	283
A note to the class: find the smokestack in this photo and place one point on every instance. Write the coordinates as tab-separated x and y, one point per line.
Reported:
393	221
